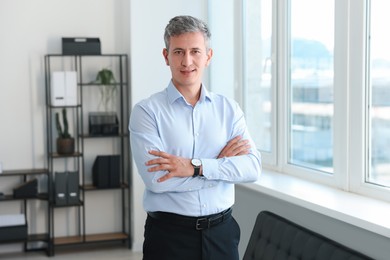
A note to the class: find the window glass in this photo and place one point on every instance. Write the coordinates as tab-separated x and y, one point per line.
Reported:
379	97
258	72
311	84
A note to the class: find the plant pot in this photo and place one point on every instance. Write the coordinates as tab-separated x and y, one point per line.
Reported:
65	145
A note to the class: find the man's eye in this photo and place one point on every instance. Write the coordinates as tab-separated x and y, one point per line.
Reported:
178	52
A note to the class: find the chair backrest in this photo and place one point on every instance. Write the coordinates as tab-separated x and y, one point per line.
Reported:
274	237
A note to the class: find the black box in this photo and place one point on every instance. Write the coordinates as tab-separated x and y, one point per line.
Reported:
60	187
13	228
81	46
73	190
28	189
13	233
66	188
103	123
106	171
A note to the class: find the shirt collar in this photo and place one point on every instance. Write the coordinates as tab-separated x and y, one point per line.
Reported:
174	94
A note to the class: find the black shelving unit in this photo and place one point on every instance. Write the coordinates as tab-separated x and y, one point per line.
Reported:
25	175
88	146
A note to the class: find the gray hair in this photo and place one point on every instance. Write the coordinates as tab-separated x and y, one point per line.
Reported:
185	24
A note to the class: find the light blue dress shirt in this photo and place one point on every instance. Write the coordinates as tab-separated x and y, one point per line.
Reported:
166	122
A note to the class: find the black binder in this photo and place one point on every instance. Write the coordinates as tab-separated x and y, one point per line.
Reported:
60	187
114	181
106	171
72	193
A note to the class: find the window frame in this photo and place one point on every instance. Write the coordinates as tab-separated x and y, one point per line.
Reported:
350	131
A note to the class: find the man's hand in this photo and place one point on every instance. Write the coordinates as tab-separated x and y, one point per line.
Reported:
175	166
235	147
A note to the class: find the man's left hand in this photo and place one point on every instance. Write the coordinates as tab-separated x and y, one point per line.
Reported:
174	165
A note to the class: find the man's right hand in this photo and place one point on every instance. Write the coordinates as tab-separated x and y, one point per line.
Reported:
236	146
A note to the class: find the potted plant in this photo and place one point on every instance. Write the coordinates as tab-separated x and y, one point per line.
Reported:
108	89
65	142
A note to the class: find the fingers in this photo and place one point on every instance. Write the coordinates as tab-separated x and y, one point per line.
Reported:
235	147
174	166
165	177
159	153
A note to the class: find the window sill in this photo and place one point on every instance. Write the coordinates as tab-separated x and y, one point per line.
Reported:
367	213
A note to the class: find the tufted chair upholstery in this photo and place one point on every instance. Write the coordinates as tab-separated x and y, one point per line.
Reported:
276	238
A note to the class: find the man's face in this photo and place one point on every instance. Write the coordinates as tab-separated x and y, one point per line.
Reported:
187	58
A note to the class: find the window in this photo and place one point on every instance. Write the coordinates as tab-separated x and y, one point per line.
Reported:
258	72
313	78
311	84
379	95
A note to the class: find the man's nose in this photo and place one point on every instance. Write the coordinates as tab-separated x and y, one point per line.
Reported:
187	59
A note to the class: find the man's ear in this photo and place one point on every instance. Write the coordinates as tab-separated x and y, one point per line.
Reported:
165	54
209	56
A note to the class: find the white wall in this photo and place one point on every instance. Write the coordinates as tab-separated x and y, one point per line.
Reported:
29	30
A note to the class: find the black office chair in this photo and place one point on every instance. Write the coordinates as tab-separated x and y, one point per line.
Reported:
277	238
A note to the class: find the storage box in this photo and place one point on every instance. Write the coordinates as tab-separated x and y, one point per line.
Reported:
103	123
27	189
13	228
64	88
66	188
106	171
81	46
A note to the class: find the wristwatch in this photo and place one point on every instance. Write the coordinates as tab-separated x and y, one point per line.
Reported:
196	163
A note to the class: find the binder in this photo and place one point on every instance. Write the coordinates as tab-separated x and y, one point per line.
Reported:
114	171
73	188
64	88
60	188
70	88
100	172
106	171
58	88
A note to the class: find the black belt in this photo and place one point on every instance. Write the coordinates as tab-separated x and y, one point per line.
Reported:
199	223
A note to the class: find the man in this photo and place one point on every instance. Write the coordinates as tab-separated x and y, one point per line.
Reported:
190	146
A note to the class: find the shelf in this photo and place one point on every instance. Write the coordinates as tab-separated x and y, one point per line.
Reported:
56	155
64	106
87	92
38	237
24	172
30	238
86	56
9	197
104	136
80	203
90	238
96	84
90	187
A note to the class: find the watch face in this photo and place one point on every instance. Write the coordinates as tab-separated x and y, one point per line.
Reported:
196	162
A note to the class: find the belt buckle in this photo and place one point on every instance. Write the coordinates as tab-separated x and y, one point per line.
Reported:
199	222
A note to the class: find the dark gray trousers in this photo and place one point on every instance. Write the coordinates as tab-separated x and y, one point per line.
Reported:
166	241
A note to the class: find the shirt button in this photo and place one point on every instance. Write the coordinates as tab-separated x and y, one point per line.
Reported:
204	205
197	134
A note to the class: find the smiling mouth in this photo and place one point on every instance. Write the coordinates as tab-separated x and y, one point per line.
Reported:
187	71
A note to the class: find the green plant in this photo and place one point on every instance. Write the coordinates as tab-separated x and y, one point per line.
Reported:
107	91
62	133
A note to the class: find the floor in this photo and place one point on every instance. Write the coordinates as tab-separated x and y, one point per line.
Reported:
91	252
